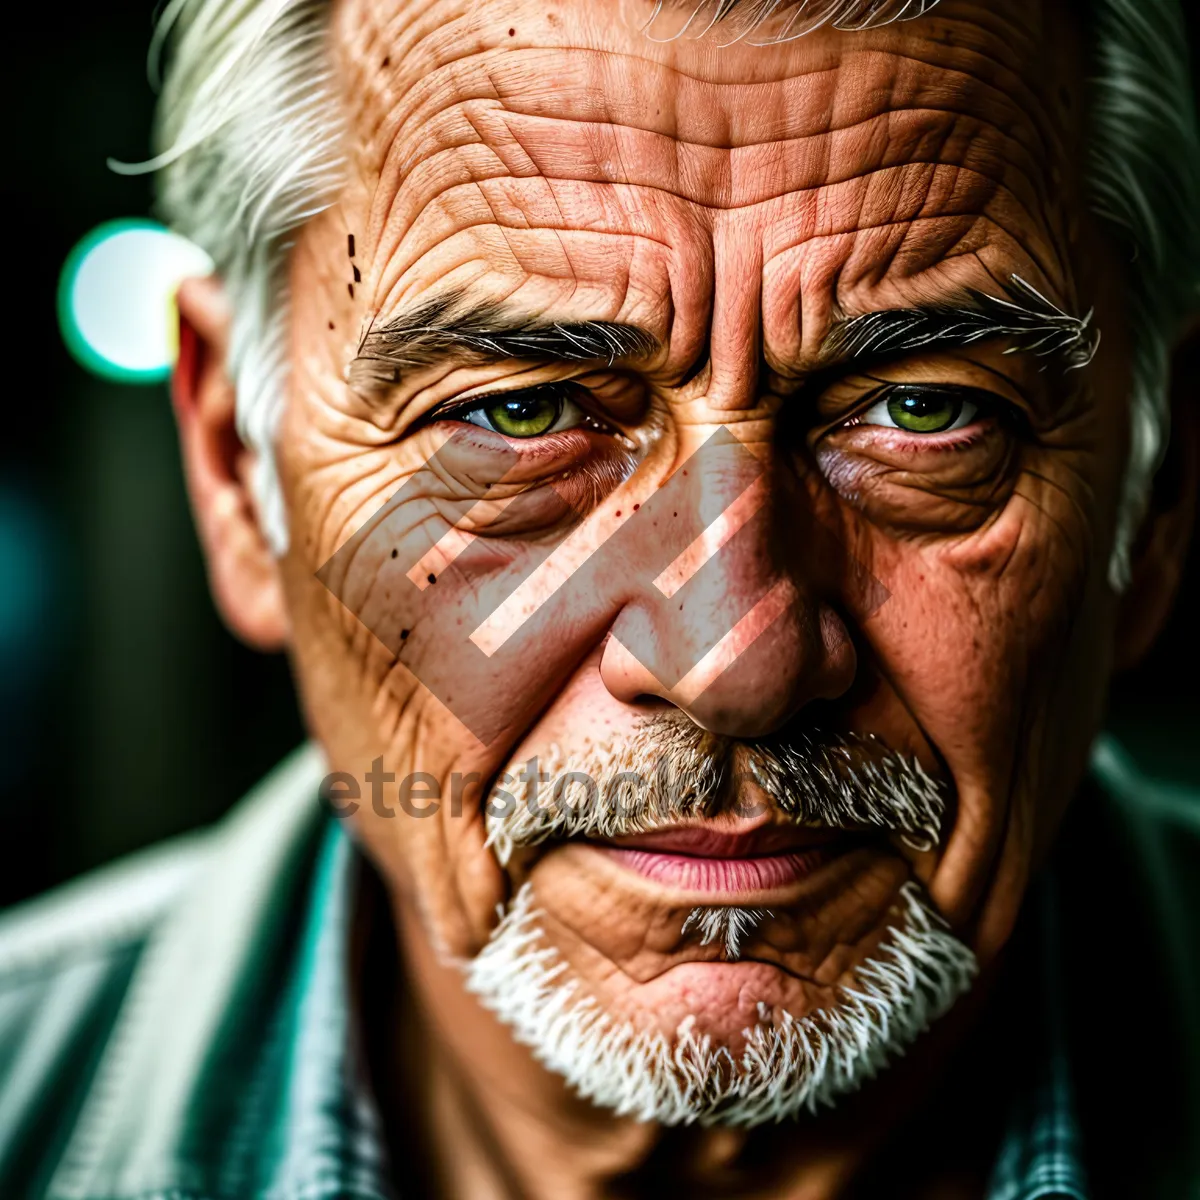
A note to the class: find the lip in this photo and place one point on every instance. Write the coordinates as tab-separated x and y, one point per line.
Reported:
752	857
708	841
730	876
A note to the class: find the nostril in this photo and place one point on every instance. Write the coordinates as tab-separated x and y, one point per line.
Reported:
626	677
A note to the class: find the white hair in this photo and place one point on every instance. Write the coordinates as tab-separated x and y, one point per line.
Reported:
788	1064
252	148
251	133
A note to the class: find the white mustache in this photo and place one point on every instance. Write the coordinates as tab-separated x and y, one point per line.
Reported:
671	771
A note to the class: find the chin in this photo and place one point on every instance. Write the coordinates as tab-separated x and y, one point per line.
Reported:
717	1042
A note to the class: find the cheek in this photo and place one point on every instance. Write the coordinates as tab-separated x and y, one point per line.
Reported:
394	684
420	773
974	636
995	648
955	655
979	627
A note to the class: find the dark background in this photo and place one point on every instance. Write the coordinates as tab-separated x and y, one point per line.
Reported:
127	713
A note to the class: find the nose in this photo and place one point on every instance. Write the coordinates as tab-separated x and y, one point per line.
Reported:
724	618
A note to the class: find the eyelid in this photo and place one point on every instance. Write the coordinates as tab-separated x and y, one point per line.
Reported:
876	413
570	394
461	404
454	408
985	402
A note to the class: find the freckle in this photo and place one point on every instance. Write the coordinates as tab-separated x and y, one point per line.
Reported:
330	324
512	33
403	634
350	288
674	514
685	474
357	275
387	61
395	553
431	577
618	513
636	507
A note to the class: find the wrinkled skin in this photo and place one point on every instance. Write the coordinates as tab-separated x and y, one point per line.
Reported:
731	201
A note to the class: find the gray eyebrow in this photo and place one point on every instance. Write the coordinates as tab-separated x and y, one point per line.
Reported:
445	329
1023	316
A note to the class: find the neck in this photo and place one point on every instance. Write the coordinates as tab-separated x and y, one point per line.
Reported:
494	1123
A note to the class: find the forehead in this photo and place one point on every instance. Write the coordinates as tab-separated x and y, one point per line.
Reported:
565	158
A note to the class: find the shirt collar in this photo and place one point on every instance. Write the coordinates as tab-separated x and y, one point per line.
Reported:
1040	1152
332	1143
233	1068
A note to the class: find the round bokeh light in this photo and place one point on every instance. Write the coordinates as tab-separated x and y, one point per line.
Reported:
116	298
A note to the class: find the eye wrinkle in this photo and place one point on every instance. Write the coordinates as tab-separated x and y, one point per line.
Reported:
585	486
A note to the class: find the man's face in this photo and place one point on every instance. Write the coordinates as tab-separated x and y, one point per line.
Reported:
901	553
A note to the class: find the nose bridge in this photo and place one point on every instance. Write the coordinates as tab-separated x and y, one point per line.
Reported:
721	619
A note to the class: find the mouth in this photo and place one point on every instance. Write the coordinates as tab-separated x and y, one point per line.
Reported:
707	858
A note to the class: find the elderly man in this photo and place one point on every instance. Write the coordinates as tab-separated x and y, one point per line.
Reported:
705	465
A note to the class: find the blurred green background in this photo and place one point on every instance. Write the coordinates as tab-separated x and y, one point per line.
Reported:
127	713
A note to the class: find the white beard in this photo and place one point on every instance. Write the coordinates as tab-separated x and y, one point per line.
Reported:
788	1064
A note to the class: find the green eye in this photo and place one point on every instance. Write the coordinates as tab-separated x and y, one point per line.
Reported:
523	416
921	409
924	412
527	413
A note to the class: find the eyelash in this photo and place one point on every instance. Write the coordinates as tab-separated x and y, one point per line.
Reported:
976	404
565	394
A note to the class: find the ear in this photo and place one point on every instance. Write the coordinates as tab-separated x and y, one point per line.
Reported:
1160	553
242	572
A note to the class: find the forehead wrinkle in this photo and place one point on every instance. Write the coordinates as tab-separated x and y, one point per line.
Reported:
995	207
711	191
850	75
911	189
489	163
766	118
730	178
506	84
595	73
814	213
